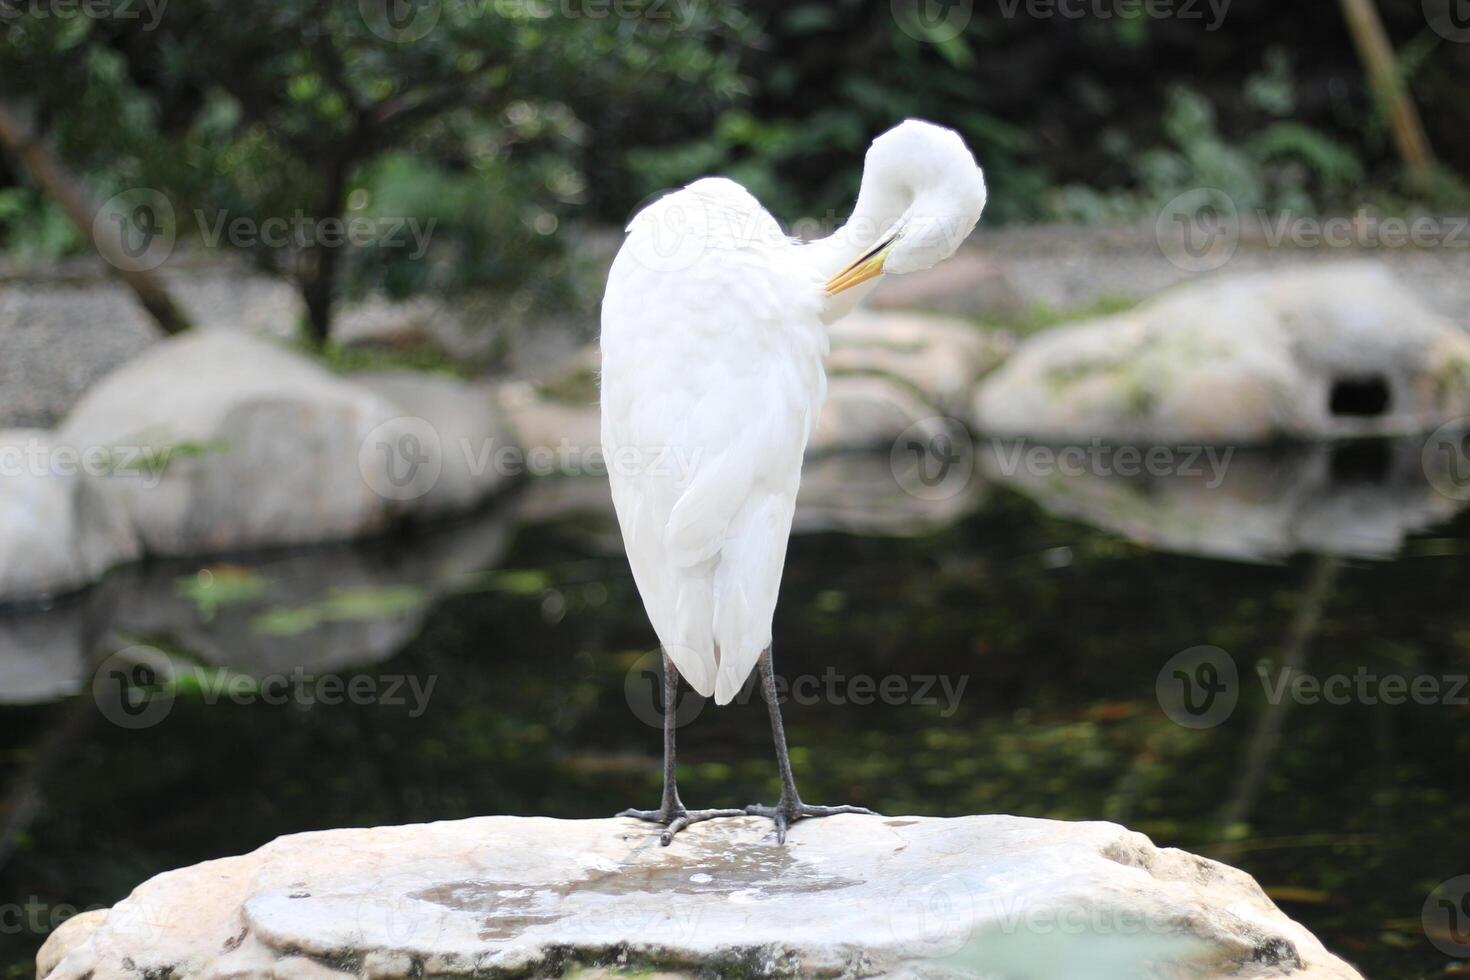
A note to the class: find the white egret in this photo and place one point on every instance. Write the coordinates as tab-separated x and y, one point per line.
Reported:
713	335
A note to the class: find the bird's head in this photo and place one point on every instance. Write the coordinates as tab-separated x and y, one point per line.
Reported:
927	176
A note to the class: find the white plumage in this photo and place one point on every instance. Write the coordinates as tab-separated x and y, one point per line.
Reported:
713	336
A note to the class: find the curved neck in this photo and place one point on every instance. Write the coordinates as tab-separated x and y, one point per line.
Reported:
880	203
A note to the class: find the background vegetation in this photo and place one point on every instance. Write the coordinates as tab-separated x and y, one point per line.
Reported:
512	123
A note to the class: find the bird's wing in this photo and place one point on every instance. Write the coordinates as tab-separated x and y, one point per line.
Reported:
711	383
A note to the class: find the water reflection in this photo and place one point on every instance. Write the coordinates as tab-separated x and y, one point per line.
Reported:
1355	500
340	606
318	610
529	619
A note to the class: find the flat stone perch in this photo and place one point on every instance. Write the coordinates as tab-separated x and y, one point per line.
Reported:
983	896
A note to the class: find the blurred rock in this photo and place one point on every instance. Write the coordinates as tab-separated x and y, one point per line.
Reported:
970	284
1307	353
866	412
63	326
553	429
860	493
55	534
228	442
42	654
940	358
1354	500
470	427
849	895
319	610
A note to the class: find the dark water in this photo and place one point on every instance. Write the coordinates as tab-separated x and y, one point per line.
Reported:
1019	629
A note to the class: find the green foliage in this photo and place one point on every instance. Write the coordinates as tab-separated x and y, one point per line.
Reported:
502	128
471	119
1283	165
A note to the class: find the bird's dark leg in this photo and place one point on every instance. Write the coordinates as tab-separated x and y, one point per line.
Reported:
671	812
790	808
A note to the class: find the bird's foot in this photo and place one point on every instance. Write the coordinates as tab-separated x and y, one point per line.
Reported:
787	812
676	818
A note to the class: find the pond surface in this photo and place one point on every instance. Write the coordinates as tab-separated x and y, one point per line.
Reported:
1003	648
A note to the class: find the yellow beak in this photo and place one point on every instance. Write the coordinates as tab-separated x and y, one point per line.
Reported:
870	266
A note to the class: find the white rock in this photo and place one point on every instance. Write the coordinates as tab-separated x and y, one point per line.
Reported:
1240	360
50	543
1245	505
470	428
970	897
263	447
551	430
42	655
863	493
940	358
867	412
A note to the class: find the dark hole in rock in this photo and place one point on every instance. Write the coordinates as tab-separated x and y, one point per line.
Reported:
1361	462
1366	395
